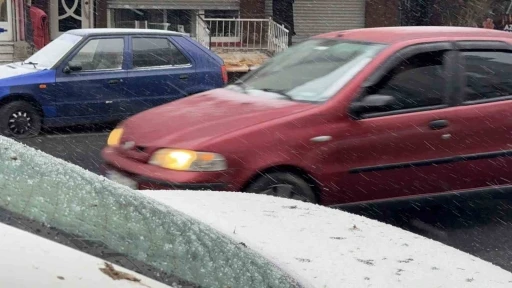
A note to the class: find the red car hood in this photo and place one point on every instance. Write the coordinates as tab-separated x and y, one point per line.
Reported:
197	118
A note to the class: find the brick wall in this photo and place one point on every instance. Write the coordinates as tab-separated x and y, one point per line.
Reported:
380	13
100	21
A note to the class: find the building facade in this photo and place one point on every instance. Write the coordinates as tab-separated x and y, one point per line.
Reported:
466	13
306	17
320	16
11	20
309	17
177	15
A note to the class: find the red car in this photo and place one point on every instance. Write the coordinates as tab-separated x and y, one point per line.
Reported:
357	115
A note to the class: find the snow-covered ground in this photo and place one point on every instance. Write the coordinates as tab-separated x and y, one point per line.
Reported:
330	248
321	247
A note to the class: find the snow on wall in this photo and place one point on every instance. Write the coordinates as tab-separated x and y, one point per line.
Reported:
65	196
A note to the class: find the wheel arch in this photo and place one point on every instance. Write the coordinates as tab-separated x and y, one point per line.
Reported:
23	97
300	172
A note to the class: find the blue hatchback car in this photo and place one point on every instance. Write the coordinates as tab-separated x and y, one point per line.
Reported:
101	75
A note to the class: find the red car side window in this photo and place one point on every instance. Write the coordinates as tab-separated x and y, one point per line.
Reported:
487	74
416	82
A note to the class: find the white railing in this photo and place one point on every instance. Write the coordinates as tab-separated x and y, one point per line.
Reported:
277	37
246	35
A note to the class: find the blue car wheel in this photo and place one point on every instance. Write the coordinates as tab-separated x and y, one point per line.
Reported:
19	119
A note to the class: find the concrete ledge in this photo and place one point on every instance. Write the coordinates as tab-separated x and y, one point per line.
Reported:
22	50
243	61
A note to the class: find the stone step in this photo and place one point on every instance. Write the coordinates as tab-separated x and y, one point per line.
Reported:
6	52
6	56
6	47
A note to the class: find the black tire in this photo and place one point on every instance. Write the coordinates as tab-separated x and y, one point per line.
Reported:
19	119
285	185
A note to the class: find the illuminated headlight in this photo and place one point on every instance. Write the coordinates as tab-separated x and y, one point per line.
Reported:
186	160
115	137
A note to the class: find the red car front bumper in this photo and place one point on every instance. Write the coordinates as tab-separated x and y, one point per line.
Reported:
152	177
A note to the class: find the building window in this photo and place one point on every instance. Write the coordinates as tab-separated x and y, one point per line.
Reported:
180	20
69	20
229	14
3	11
162	19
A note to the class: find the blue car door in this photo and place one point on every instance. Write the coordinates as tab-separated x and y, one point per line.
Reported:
161	72
90	81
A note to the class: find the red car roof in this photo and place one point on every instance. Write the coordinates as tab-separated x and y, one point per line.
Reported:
397	34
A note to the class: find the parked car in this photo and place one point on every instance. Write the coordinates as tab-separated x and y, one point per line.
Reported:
33	261
102	75
202	238
345	117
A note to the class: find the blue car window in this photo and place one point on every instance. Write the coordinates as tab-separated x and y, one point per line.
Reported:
153	52
100	54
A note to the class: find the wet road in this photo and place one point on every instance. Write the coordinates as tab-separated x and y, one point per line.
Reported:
481	227
78	145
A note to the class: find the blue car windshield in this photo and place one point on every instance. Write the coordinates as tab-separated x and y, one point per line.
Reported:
50	54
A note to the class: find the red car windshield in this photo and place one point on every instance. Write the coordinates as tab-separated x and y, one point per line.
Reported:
312	71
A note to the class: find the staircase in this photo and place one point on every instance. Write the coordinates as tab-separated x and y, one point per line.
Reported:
243	44
6	52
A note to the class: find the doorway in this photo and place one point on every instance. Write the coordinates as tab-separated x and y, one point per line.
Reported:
5	20
282	12
67	15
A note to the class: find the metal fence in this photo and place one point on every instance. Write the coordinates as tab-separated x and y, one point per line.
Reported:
246	35
277	37
232	35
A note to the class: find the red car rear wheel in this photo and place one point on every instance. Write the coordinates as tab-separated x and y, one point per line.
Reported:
285	185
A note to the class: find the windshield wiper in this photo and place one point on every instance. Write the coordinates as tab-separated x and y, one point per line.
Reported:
241	84
30	63
276	91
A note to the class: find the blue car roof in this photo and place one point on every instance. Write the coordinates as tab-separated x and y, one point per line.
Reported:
110	31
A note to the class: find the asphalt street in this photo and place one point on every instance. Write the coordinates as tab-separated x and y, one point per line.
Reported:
78	145
481	228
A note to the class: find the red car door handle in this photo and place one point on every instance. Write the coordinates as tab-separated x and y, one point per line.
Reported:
438	124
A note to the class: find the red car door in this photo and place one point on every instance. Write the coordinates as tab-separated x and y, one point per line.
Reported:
406	150
484	114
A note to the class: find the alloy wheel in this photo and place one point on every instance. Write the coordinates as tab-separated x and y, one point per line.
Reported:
20	123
